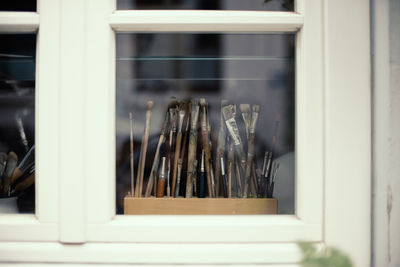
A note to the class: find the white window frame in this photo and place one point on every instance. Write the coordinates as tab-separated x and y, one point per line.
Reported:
43	225
75	136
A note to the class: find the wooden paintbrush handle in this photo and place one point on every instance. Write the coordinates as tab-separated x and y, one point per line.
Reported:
176	158
160	188
154	167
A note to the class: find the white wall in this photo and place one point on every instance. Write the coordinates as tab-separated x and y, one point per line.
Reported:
386	132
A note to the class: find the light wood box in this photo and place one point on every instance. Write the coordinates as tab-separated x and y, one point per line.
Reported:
200	206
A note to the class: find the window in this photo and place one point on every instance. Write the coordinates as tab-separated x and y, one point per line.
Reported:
238	68
17	122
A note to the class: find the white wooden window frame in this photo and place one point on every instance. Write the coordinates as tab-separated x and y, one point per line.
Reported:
75	136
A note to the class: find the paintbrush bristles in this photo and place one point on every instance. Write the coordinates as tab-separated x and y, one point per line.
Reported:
244	108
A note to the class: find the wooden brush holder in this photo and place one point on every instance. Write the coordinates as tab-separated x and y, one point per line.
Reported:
200	206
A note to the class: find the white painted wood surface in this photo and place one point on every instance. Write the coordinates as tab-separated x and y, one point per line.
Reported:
72	128
197	20
348	128
43	226
386	135
124	253
306	225
21	22
47	133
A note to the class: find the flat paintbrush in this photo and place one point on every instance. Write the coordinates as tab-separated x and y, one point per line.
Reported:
183	150
177	149
206	147
221	143
191	170
171	146
250	151
233	131
152	178
245	110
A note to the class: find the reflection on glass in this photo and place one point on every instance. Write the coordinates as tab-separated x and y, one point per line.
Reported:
262	5
18	5
17	122
253	69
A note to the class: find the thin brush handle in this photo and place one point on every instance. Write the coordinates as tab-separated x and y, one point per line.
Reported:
154	167
207	152
238	179
250	155
144	144
131	154
231	160
176	158
25	183
191	170
178	181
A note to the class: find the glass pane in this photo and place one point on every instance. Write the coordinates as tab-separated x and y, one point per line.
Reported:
250	73
264	5
18	5
17	122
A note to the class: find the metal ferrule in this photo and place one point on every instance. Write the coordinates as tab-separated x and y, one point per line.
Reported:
181	117
202	169
162	171
222	167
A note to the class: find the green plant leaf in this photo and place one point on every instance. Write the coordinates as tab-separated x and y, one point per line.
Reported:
330	257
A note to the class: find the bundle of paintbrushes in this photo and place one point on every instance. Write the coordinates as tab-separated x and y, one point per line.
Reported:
184	165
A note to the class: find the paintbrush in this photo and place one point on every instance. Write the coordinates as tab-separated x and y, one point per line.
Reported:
27	182
274	172
221	143
239	180
145	141
224	183
206	147
152	178
182	154
177	149
12	160
266	180
231	160
191	170
171	145
215	183
202	177
178	181
264	163
250	150
245	110
233	131
131	153
162	174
